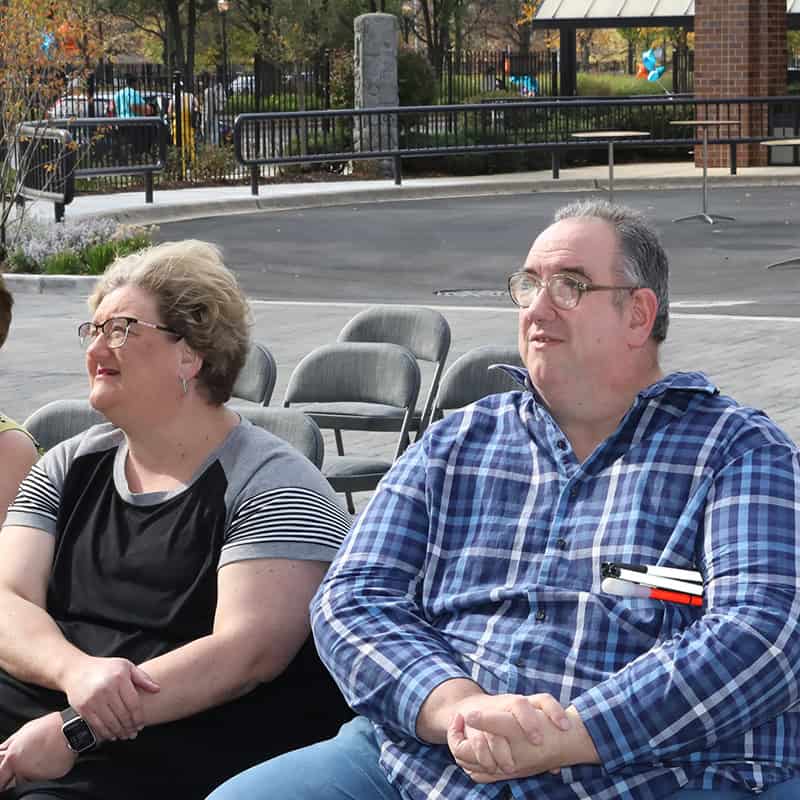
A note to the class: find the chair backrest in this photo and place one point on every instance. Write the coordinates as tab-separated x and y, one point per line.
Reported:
423	331
294	427
256	381
359	373
60	420
355	372
469	378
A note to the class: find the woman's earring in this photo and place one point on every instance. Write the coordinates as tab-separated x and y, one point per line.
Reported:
185	385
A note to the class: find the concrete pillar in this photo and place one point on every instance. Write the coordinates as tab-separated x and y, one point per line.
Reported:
739	51
375	77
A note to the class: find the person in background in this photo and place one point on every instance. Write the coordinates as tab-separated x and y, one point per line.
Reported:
213	106
465	617
155	570
128	101
183	137
18	449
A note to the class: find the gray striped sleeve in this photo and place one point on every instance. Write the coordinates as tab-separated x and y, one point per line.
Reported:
36	503
286	522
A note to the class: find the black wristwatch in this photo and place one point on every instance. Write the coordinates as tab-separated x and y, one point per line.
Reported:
80	737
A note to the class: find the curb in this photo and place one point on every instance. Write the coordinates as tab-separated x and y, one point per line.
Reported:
38	284
347	196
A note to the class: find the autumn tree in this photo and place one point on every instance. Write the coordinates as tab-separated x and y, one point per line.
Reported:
42	45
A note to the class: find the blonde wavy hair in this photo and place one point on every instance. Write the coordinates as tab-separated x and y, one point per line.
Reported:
197	296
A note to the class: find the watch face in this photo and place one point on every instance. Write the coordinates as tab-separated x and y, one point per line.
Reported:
79	735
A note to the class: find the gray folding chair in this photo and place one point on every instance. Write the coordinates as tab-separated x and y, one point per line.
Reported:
294	427
60	420
423	331
256	381
357	387
469	378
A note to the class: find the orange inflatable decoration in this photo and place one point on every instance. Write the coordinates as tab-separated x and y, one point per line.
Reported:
67	40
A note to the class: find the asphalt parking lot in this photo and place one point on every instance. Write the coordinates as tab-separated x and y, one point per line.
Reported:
408	252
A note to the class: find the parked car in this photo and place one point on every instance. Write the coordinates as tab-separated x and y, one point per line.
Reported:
243	84
77	105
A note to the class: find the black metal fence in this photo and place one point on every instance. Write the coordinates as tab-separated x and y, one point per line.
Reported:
53	156
45	160
468	74
276	87
517	127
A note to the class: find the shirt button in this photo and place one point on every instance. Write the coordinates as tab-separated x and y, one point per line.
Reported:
561	444
561	543
540	615
573	492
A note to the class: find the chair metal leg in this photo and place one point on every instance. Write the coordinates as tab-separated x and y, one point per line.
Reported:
337	435
350	505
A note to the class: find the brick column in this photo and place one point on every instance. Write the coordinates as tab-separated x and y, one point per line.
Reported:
739	51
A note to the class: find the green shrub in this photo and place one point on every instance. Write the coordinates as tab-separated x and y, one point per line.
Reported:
133	244
494	96
592	84
213	162
341	137
248	104
342	79
416	81
98	257
472	163
65	263
19	262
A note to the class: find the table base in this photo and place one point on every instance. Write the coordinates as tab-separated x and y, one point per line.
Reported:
709	218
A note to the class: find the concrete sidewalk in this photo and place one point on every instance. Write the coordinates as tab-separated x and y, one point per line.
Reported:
179	204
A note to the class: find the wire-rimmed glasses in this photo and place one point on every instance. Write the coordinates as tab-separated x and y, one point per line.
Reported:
565	291
115	330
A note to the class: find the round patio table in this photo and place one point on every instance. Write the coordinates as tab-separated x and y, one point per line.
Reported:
704	125
611	136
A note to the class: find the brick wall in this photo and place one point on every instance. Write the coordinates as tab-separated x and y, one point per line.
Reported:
740	51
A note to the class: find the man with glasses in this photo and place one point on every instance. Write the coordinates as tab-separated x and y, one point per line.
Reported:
465	617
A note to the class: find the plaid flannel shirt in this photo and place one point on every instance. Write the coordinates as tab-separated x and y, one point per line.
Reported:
479	556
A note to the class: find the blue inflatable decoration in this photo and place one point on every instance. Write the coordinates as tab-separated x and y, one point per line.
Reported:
48	42
527	86
656	73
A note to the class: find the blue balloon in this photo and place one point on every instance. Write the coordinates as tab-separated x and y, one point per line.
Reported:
649	60
48	41
656	73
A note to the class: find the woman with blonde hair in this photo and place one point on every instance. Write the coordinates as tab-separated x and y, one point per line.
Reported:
155	571
17	447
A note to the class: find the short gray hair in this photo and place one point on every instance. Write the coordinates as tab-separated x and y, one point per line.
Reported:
197	296
644	261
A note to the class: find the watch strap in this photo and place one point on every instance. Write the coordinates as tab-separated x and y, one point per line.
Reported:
69	714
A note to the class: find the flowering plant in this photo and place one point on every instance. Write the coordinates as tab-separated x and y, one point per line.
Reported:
84	246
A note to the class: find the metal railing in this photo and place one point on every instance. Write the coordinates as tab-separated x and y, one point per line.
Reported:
419	131
44	159
52	155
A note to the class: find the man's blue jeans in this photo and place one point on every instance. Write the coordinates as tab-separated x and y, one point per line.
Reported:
346	768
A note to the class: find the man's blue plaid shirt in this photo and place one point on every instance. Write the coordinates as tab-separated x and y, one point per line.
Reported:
480	557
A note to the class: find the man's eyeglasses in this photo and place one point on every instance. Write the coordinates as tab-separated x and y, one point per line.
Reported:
565	291
115	329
